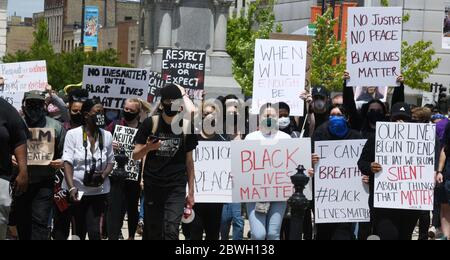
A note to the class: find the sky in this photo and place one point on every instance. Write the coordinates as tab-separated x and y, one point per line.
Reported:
25	8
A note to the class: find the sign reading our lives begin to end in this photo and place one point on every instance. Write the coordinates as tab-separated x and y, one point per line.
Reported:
340	194
374	42
185	68
279	74
407	154
262	169
114	85
213	180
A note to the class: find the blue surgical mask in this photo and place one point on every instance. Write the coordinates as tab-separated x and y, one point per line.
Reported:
338	126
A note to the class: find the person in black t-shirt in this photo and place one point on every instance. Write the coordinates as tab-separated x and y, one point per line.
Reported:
168	166
13	140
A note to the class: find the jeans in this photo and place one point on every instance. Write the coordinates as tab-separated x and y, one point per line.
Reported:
424	225
88	215
266	226
61	223
5	203
231	213
123	198
142	208
207	219
32	211
164	209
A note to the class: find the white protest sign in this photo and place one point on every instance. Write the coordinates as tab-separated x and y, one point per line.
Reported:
446	27
407	154
374	46
427	98
340	194
262	169
114	85
213	180
279	74
124	136
21	77
41	146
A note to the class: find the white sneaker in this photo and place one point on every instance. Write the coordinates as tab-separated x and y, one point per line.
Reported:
432	233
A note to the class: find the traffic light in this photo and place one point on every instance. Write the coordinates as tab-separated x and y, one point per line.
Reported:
442	101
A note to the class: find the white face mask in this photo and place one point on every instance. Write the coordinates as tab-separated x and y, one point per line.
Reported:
284	122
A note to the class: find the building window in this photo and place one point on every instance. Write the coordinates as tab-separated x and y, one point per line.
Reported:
132	61
133	49
132	55
109	44
128	18
133	42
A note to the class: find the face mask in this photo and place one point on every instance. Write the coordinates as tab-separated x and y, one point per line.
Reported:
168	110
338	126
375	116
269	123
34	115
98	120
319	106
128	116
284	122
77	119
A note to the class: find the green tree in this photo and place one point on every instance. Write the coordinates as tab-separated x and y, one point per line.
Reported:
327	70
243	30
63	68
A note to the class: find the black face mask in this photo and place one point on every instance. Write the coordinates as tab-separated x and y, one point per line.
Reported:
128	116
375	116
77	119
98	120
168	110
34	115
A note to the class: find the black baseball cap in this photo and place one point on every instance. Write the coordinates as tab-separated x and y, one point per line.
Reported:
401	111
320	91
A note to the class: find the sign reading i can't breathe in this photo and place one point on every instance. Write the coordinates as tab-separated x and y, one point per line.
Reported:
374	46
115	85
186	68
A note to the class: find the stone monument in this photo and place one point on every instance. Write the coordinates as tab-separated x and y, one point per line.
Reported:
3	26
194	25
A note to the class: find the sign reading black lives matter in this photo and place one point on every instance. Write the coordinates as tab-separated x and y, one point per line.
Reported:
41	146
186	68
115	85
406	153
374	46
124	136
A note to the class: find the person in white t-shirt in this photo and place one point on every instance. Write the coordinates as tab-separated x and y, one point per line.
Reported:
266	217
88	161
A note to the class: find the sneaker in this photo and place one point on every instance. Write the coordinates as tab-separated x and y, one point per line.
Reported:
432	232
140	228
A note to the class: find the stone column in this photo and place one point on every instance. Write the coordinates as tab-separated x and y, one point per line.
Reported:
222	8
165	8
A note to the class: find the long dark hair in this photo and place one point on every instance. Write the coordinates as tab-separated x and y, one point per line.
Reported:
365	111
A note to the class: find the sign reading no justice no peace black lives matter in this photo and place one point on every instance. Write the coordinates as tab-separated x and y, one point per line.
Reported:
115	85
186	68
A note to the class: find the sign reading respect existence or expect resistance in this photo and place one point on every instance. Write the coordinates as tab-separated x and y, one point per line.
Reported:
22	77
279	74
374	46
406	153
340	194
213	179
115	85
185	68
262	169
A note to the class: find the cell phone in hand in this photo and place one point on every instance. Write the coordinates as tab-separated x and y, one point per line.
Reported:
80	195
156	139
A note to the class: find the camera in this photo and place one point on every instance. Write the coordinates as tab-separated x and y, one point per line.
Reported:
91	178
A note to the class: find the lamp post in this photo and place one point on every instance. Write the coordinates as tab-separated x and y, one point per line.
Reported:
298	203
83	9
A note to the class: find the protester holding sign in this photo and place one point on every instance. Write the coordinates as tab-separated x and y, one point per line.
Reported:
88	161
33	208
266	217
169	166
389	224
337	128
13	139
124	195
76	99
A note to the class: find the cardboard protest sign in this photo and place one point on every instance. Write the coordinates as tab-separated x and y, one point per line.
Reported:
213	180
262	169
41	146
155	84
340	195
21	77
279	74
115	85
407	155
305	38
186	68
124	136
374	46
